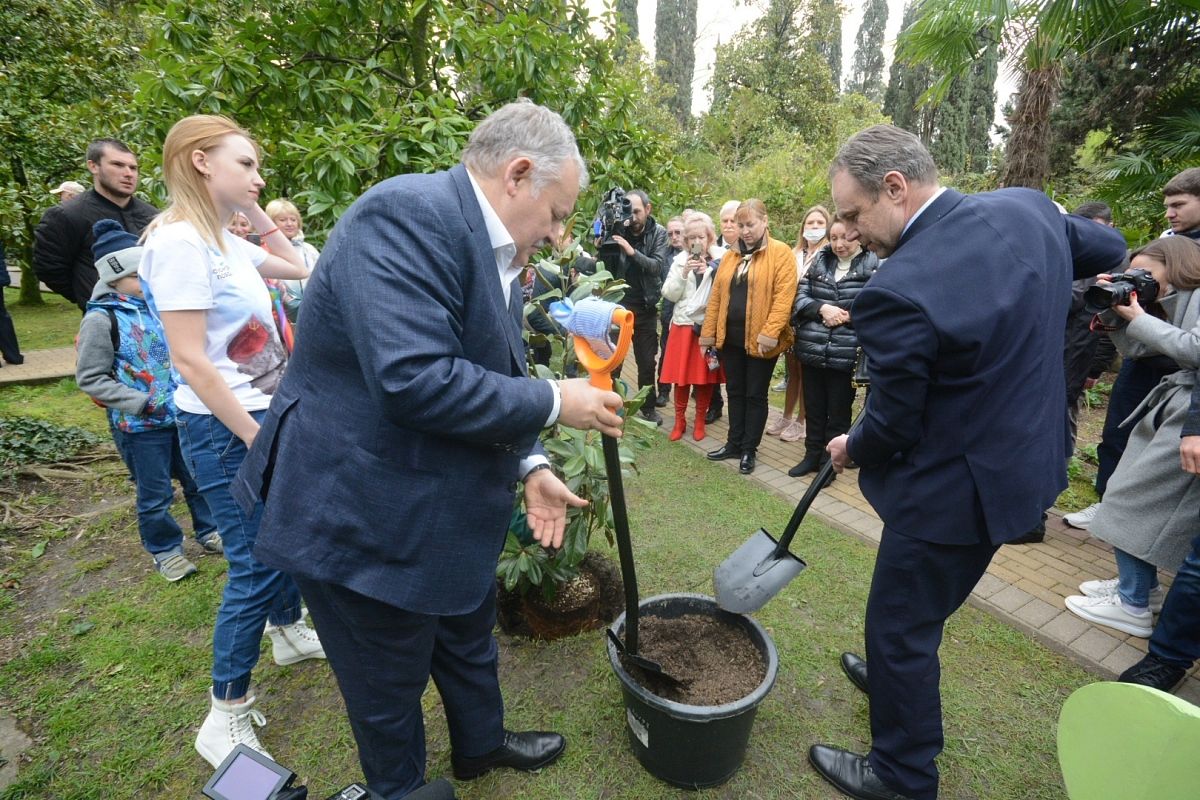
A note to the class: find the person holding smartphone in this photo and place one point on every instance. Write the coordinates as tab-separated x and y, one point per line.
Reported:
687	285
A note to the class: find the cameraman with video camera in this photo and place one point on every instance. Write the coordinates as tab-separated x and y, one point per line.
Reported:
638	255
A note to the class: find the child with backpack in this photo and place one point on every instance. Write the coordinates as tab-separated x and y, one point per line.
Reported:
124	366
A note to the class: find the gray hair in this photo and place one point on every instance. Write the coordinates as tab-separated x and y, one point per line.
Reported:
880	149
700	218
730	205
524	130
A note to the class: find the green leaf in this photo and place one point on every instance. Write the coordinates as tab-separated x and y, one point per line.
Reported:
80	628
39	549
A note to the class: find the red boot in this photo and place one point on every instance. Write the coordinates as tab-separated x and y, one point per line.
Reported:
681	401
704	395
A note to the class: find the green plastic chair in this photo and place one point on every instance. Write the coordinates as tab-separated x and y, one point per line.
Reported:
1121	741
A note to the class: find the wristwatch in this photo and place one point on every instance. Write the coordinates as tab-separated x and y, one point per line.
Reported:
536	468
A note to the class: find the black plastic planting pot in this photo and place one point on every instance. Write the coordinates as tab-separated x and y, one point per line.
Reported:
685	745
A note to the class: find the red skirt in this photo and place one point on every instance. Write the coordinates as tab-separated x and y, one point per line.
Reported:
684	362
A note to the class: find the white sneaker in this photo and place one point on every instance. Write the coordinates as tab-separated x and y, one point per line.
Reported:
1081	519
295	642
1110	611
1102	588
793	433
226	726
777	426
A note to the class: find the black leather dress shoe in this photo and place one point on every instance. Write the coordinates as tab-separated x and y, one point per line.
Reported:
724	452
528	751
747	464
856	670
850	773
714	414
663	398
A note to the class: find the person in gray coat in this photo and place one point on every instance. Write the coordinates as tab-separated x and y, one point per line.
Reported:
1148	513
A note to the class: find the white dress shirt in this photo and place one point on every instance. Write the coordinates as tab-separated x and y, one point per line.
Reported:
505	250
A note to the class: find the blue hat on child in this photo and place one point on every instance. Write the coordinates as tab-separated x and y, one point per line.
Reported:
116	250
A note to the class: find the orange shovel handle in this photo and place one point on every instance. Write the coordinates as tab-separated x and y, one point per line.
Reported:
600	370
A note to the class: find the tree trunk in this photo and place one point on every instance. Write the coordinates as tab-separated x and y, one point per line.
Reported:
30	294
1027	159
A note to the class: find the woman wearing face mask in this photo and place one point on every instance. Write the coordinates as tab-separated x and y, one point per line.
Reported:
747	319
813	236
826	345
687	287
1148	513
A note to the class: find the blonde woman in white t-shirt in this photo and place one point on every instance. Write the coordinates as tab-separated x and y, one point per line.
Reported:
206	286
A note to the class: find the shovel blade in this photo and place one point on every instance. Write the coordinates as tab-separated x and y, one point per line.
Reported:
752	575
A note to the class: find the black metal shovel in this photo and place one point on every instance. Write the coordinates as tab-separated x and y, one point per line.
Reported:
762	566
600	375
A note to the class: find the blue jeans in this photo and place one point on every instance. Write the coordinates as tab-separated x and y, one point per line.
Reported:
1176	638
253	592
154	458
1135	579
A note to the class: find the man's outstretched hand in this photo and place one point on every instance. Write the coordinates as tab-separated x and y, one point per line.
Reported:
546	501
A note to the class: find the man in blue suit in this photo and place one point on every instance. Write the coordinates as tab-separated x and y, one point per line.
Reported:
962	443
391	453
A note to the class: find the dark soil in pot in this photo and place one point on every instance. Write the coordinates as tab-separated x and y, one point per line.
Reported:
716	662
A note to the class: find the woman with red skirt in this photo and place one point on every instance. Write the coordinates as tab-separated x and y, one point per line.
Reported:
687	285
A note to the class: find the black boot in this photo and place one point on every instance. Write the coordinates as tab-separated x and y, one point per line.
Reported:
810	463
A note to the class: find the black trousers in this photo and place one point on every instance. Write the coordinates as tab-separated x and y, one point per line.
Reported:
645	344
916	587
828	396
747	381
383	658
8	335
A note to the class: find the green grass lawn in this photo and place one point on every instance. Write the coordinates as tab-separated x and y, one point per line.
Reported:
53	324
111	674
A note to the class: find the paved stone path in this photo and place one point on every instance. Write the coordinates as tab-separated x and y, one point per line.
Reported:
41	366
1024	586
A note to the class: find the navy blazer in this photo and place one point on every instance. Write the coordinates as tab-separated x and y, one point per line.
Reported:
388	459
963	440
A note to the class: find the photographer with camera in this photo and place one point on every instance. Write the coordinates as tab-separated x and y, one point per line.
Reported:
1149	511
1181	201
635	251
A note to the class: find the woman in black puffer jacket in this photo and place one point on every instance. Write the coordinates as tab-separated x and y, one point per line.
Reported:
826	344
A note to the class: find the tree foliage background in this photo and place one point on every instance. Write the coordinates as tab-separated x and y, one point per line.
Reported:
344	93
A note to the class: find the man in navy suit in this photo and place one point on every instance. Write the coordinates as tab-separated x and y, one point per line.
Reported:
391	453
962	443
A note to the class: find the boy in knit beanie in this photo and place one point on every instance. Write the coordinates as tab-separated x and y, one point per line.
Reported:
123	365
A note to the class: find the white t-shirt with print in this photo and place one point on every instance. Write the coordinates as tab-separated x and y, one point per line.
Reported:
182	272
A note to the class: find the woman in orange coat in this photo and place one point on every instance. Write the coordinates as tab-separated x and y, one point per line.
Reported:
748	321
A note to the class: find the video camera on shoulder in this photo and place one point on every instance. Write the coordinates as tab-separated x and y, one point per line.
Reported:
612	219
1102	297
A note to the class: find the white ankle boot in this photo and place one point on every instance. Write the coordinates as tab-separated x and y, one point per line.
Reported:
295	642
226	726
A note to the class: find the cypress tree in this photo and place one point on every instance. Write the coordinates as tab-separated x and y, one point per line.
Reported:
867	75
906	84
825	26
949	145
627	12
675	52
981	108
